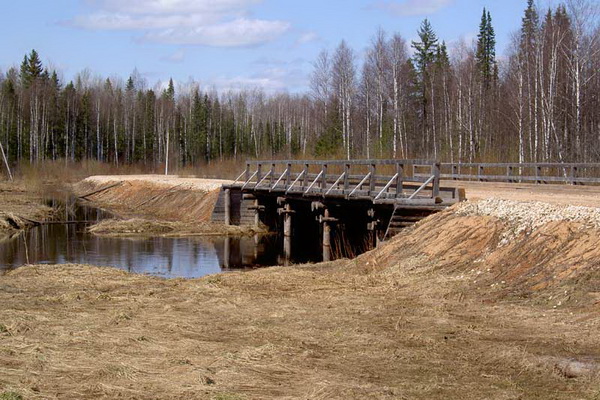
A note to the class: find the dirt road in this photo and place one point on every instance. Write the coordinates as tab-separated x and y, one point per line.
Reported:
556	194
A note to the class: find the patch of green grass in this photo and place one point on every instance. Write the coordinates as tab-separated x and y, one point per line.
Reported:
11	396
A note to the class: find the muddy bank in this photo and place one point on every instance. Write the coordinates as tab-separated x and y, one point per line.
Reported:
21	207
145	227
157	205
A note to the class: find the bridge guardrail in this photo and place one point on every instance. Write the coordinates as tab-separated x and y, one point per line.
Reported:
569	173
347	178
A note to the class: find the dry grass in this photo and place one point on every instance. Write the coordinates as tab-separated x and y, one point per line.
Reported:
332	331
19	206
440	312
145	227
151	196
422	317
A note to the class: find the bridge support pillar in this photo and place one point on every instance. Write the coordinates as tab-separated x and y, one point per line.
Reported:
327	221
287	212
256	213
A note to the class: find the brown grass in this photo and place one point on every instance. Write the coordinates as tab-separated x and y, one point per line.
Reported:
144	198
436	313
326	332
145	227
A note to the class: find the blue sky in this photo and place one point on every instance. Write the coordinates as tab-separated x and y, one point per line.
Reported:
226	43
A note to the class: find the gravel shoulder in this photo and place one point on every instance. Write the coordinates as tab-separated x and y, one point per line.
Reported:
588	196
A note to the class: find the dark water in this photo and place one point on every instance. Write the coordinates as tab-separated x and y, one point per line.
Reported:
166	257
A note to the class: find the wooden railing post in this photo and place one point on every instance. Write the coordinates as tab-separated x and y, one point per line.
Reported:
324	178
399	179
372	180
305	177
480	173
509	172
258	173
288	176
454	171
436	180
346	181
573	175
272	172
538	174
247	175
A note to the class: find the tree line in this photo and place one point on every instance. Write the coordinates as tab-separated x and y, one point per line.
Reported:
541	102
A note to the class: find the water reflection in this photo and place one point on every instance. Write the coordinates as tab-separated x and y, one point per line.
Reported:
167	257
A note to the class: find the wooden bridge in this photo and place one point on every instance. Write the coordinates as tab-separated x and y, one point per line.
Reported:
362	202
366	201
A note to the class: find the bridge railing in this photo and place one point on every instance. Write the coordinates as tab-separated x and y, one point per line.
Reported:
569	173
377	180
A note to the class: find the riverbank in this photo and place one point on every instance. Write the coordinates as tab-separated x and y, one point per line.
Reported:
21	207
469	304
157	205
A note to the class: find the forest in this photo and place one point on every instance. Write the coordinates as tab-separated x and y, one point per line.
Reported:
539	102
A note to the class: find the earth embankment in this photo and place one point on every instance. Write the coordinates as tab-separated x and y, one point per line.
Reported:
156	205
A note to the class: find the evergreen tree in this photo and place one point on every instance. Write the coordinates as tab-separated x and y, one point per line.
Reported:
170	91
130	85
486	49
529	25
31	68
425	53
426	48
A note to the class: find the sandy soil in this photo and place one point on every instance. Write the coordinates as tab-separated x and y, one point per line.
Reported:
183	183
445	310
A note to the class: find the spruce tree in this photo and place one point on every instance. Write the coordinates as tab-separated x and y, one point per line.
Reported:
425	54
426	48
170	91
130	85
529	26
486	49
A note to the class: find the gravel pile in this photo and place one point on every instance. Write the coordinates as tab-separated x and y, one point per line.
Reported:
527	216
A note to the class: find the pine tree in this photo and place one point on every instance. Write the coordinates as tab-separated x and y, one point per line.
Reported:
130	85
31	68
486	50
529	26
426	48
170	91
425	53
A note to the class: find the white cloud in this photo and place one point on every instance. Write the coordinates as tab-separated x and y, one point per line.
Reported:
179	7
177	57
412	7
307	38
236	33
108	21
271	80
220	23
